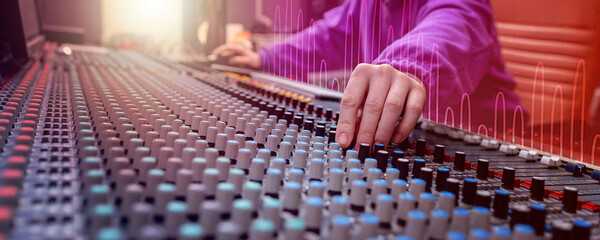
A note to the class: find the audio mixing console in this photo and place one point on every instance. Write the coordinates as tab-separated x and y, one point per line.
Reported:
103	144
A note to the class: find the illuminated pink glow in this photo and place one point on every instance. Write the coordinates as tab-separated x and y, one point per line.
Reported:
500	94
277	23
321	69
518	110
580	66
349	25
533	93
335	82
462	101
557	89
449	110
300	25
481	126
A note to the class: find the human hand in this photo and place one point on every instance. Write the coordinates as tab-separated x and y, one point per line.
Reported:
244	57
380	93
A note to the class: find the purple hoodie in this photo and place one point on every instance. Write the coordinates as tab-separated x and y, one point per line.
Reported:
450	45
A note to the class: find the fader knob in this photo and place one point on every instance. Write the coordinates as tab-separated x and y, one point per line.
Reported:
570	197
508	178
441	177
537	218
420	148
520	214
501	200
482	169
439	153
523	232
561	230
417	165
537	188
469	190
581	229
459	161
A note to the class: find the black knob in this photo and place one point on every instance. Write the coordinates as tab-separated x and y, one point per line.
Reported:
459	161
302	105
438	153
377	147
483	198
453	186
320	131
311	108
309	125
581	229
331	137
417	165
426	174
288	116
279	113
402	166
537	188
298	121
520	214
328	114
468	191
337	117
382	160
420	148
482	169
271	109
397	154
537	218
363	152
508	178
440	178
501	200
319	111
561	230
570	197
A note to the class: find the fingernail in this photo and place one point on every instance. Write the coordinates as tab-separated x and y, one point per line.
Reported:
342	139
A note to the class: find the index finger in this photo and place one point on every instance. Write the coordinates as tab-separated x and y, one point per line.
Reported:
349	106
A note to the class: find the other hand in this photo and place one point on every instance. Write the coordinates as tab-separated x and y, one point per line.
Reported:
244	57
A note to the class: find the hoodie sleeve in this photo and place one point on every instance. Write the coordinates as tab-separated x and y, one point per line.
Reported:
449	48
320	46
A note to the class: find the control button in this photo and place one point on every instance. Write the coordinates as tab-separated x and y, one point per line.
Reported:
262	229
340	227
524	232
508	178
482	169
570	199
581	229
415	227
501	200
469	190
537	188
460	220
294	229
406	203
480	218
537	218
190	231
459	161
438	224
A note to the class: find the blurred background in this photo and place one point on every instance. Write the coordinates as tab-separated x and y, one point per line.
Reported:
179	28
551	48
